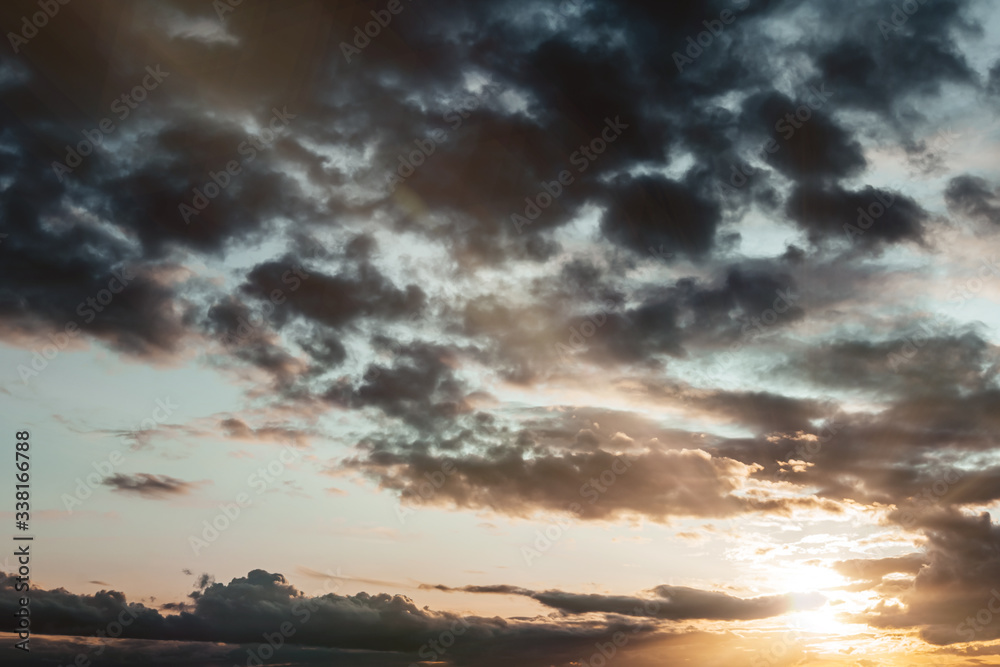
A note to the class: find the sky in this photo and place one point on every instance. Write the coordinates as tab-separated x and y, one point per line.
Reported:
557	333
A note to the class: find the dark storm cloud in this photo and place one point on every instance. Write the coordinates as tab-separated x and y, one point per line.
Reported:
800	138
881	58
587	316
870	217
654	212
56	257
421	387
73	257
635	335
672	320
876	570
945	362
249	336
758	411
993	80
953	598
925	449
382	629
671	603
226	317
974	197
333	301
147	198
751	292
141	192
557	80
486	167
590	485
52	650
764	412
150	486
472	182
264	351
919	446
481	175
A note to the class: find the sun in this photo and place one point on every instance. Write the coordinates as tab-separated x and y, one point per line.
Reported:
797	577
810	583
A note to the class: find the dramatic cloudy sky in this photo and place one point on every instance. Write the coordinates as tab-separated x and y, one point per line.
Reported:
536	332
